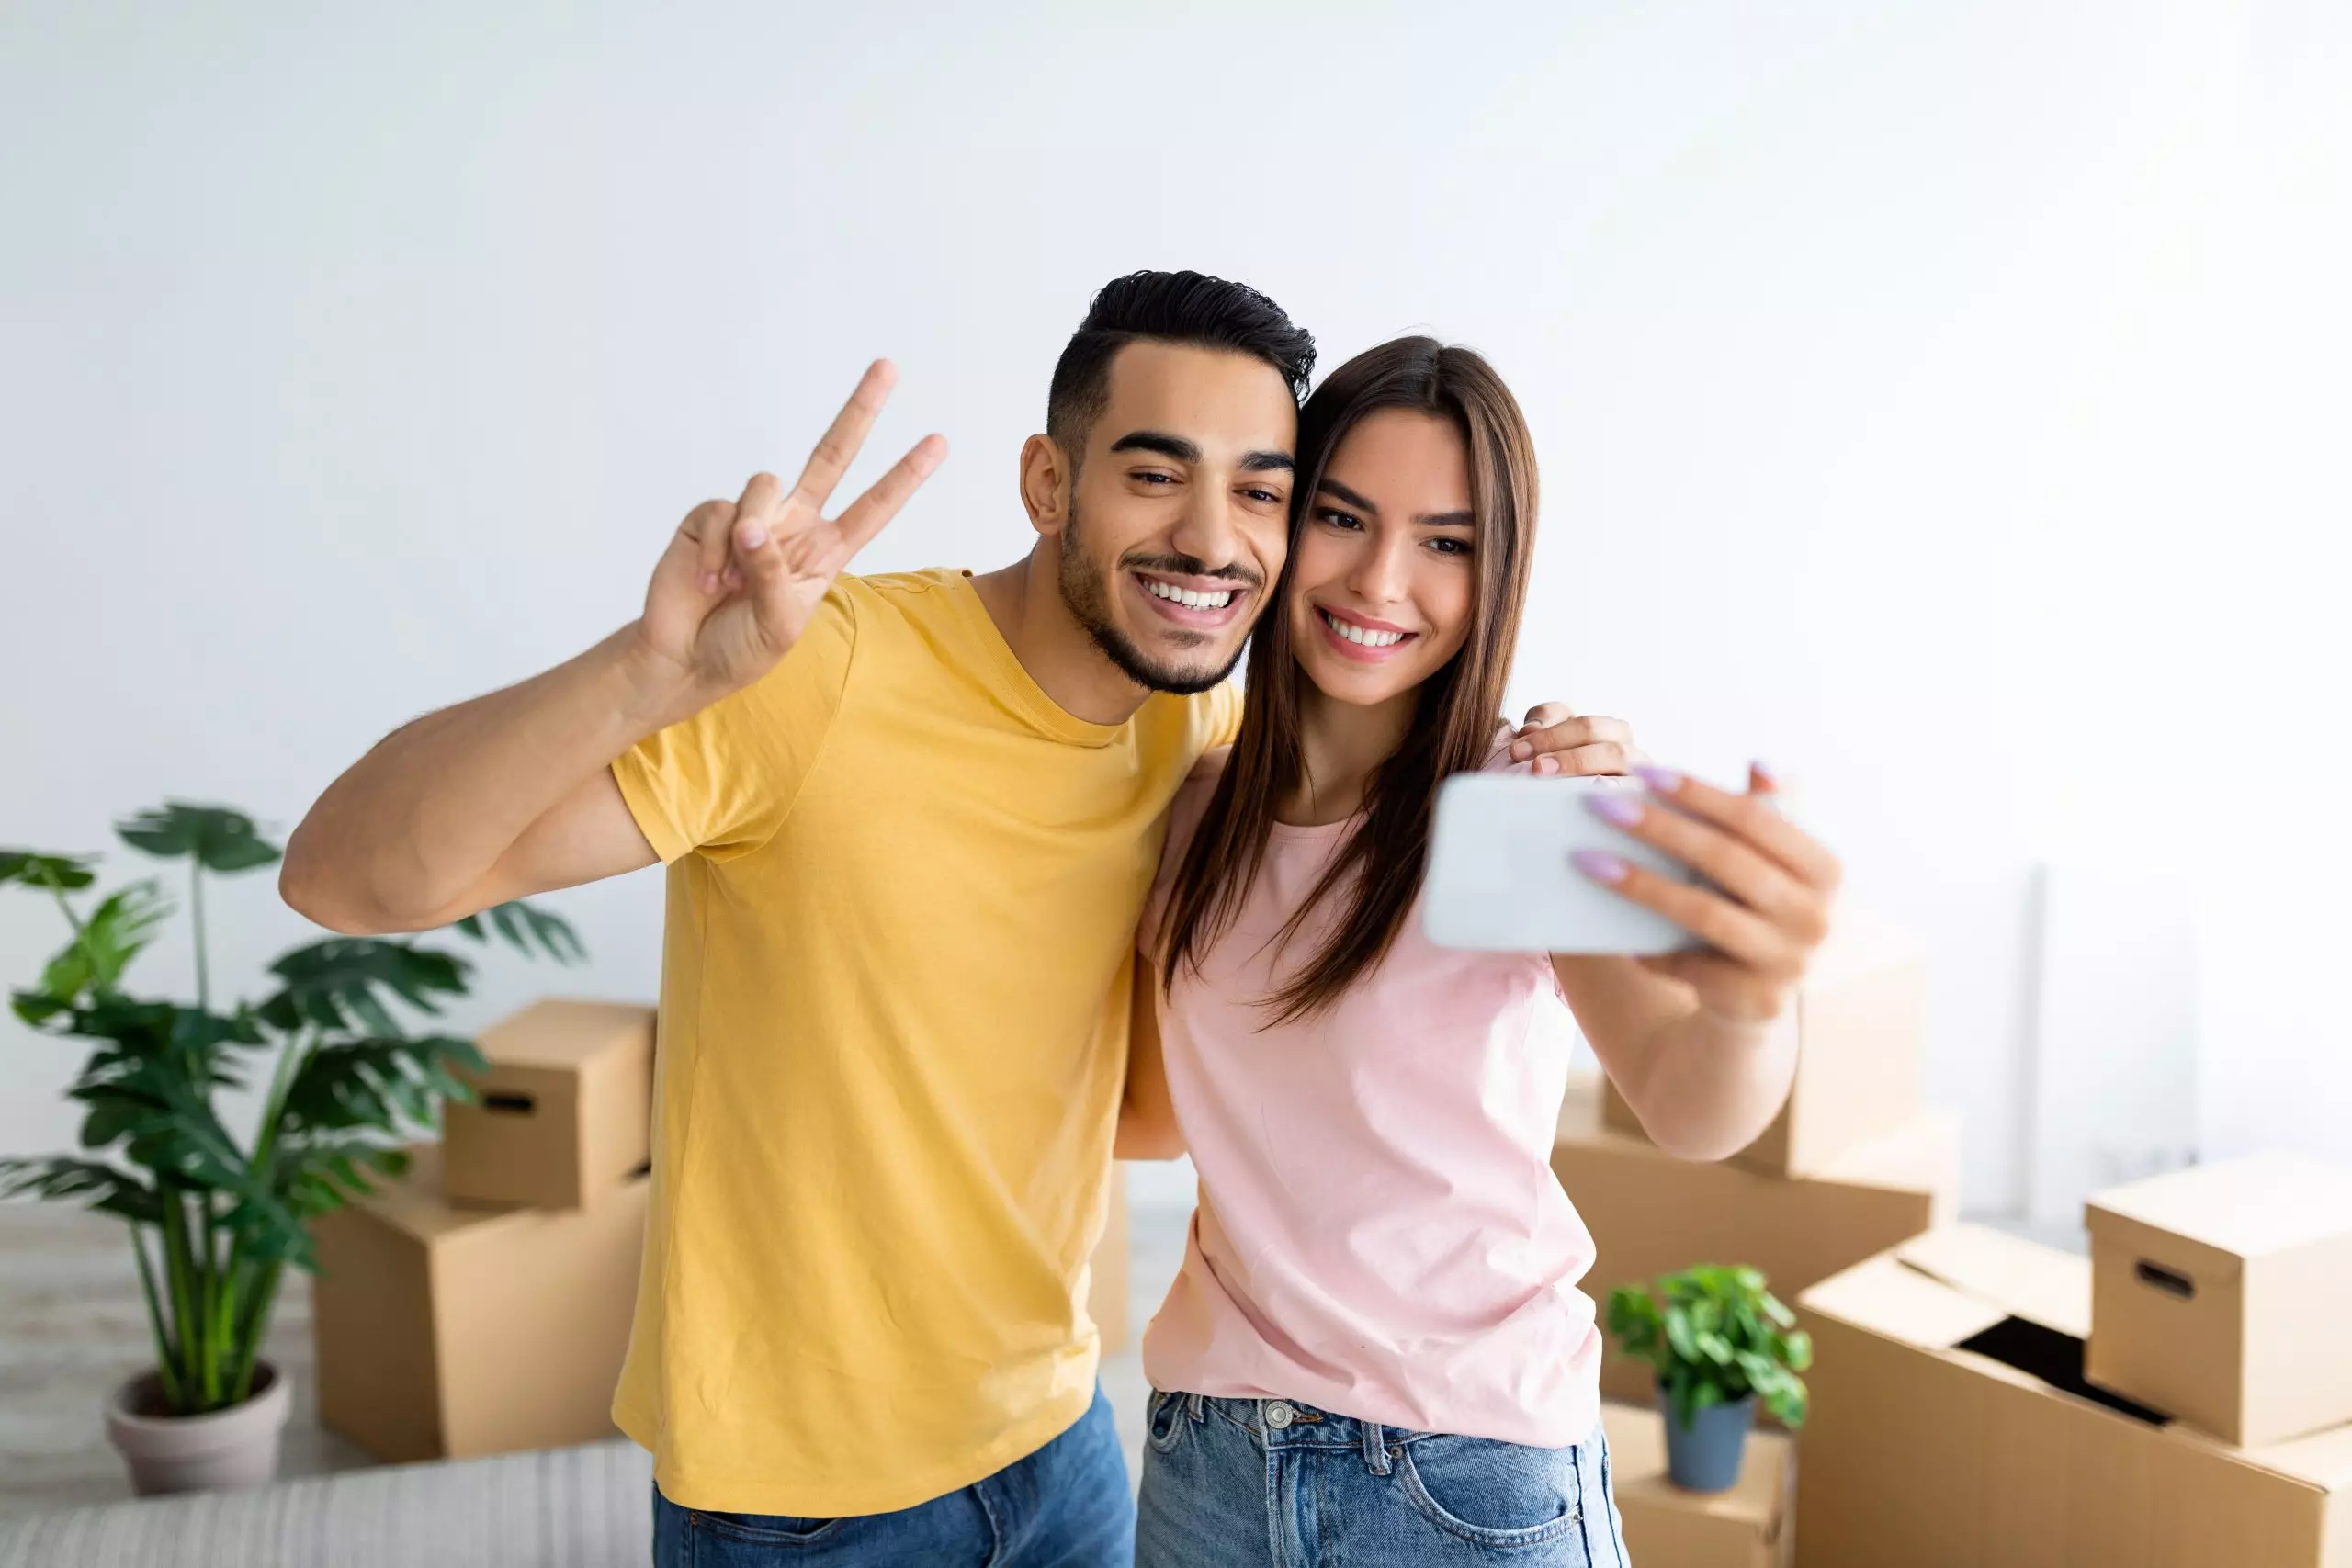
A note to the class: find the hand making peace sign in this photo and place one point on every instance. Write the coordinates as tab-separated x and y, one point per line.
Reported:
741	577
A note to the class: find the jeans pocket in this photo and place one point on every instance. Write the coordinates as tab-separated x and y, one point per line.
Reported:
779	1530
1163	1421
1489	1493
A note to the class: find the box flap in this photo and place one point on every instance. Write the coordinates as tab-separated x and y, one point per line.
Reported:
2262	1203
2323	1459
557	1032
2022	1277
1887	1297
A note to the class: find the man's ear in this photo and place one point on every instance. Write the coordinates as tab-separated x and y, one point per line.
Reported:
1047	475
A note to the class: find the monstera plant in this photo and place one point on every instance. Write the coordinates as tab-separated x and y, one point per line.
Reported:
344	1047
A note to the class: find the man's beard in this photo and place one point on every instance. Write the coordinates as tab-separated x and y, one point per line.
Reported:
1085	591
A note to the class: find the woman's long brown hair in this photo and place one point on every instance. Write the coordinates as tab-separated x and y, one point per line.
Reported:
1377	874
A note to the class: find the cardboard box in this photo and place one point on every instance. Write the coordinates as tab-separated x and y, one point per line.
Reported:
1747	1527
1951	1425
2220	1295
565	1113
444	1332
1858	1020
1651	1214
1106	1279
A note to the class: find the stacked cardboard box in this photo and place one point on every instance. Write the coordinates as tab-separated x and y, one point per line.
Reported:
1850	1166
1953	1423
481	1305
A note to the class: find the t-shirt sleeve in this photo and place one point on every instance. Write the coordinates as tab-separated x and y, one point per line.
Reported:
1185	814
722	782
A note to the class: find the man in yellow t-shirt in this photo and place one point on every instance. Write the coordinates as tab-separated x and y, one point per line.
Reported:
910	822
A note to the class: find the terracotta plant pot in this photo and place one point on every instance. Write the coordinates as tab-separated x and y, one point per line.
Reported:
237	1447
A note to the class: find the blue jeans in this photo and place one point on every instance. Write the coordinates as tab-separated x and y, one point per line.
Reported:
1067	1505
1279	1483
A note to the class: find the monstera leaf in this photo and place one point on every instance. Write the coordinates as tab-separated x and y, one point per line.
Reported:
344	983
217	838
60	873
385	1084
98	1186
522	925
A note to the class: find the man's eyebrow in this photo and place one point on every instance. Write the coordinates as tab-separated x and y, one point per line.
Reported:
1167	446
1269	463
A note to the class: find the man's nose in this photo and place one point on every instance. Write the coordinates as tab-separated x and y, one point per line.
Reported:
1205	530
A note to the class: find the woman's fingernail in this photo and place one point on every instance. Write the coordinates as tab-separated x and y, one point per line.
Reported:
1621	809
1599	864
752	536
1662	781
1762	779
1520	751
710	582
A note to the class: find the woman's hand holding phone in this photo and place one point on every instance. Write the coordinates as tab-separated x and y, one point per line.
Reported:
1768	909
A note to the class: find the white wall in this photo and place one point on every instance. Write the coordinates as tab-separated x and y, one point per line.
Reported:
1900	373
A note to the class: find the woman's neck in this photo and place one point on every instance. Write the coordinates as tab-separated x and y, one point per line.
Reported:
1341	746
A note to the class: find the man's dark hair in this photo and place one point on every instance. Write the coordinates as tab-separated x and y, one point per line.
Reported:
1166	307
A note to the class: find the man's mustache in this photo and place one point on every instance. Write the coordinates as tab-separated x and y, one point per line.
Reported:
1189	566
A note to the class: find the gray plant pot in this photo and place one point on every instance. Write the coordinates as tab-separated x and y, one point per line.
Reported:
1705	1455
237	1447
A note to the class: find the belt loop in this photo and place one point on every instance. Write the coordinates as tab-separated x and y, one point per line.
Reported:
1375	1448
1195	1407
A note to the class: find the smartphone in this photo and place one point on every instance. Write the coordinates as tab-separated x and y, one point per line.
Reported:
1499	878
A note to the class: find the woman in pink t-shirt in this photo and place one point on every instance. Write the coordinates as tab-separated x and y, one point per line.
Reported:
1376	1352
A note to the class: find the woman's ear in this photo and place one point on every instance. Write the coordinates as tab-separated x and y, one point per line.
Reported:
1047	475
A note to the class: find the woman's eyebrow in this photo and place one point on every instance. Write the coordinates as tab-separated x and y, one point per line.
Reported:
1361	503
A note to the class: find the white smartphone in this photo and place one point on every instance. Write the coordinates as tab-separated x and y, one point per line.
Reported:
1499	878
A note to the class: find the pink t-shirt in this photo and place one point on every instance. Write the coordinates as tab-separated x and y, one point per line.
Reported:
1379	1231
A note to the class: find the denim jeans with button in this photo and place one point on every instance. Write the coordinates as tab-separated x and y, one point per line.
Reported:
1067	1505
1275	1482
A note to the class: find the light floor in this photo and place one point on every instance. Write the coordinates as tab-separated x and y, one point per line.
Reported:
72	1328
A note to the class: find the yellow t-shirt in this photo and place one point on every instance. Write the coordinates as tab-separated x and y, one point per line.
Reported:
903	888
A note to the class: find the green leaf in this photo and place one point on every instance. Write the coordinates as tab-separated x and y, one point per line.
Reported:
1716	1335
524	926
217	838
342	984
59	1178
34	868
93	962
389	1085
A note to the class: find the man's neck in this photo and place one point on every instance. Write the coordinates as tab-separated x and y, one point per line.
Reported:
1340	747
1025	602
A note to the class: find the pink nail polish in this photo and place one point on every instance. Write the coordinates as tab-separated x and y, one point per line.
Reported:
1621	809
1599	864
1520	751
1662	781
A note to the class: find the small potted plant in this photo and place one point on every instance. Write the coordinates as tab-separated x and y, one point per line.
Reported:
1720	1342
214	1221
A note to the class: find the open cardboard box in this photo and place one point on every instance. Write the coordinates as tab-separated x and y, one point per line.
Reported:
1951	1425
1651	1214
1858	1019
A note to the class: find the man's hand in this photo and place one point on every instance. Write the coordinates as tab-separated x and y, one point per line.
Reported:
1560	742
742	579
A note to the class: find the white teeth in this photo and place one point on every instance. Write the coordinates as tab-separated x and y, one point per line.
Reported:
1359	635
1186	597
